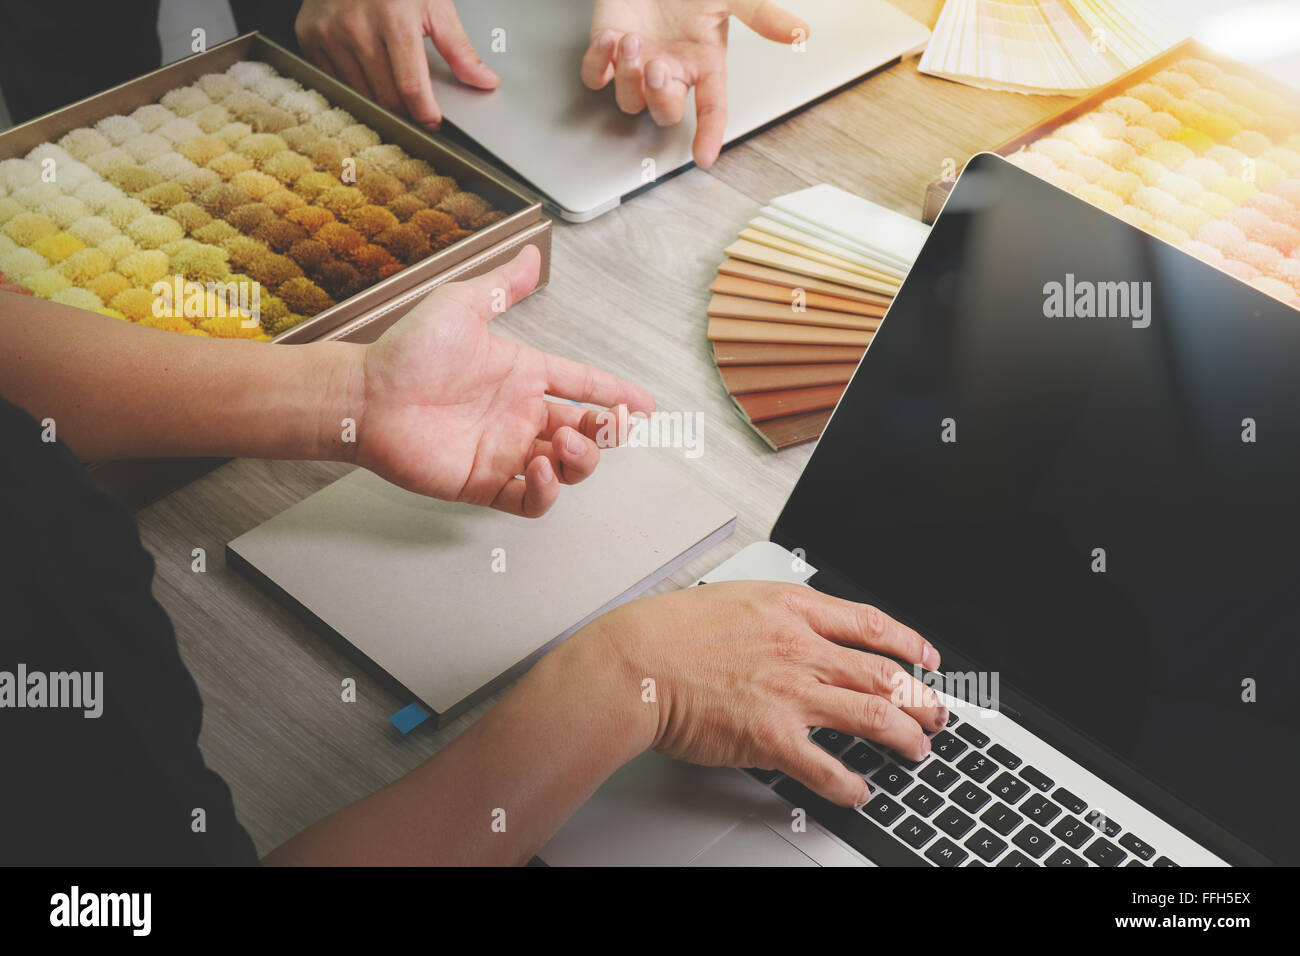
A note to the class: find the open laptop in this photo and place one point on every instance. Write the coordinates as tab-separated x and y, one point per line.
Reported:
1100	511
576	148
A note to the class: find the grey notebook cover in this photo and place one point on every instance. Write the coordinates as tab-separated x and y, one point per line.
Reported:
409	581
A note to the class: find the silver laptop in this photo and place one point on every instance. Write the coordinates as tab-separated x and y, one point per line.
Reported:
1069	459
580	152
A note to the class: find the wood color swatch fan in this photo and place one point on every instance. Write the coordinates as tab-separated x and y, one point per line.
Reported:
796	302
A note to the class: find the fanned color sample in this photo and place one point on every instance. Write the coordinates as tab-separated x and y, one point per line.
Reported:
796	302
236	182
1197	154
1043	46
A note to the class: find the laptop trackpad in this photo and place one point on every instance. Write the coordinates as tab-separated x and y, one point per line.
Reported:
660	812
751	843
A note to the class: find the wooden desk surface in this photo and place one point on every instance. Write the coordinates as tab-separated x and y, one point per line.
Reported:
627	293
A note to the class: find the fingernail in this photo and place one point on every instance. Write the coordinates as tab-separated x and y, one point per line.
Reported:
943	717
930	658
574	444
925	746
864	798
656	75
545	472
632	47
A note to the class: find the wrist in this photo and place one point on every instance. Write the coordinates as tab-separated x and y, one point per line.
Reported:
336	372
595	661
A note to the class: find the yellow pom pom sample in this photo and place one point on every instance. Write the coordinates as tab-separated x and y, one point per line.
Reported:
84	265
58	247
46	282
151	231
78	298
145	267
27	228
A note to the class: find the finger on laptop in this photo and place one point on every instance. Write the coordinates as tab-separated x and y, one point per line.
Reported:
665	92
824	775
411	75
869	716
573	455
598	61
453	44
629	79
873	674
864	626
710	116
532	495
770	20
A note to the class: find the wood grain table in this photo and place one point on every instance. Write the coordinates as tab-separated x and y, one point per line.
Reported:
628	293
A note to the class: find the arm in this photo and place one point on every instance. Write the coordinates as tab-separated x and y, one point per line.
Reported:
741	673
117	390
440	405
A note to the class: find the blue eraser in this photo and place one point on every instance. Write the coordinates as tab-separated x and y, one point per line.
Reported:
409	717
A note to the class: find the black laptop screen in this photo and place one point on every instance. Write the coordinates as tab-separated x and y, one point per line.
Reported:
1072	453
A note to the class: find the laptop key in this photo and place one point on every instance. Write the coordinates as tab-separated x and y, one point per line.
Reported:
1099	820
977	766
832	741
1039	809
1037	779
1008	788
1004	756
879	846
986	845
884	810
939	775
1137	847
1068	800
974	862
762	776
862	758
946	853
953	822
1065	857
1072	831
1033	841
1135	862
915	832
891	779
947	746
1016	858
1001	818
968	796
1104	853
923	800
968	733
1164	861
952	719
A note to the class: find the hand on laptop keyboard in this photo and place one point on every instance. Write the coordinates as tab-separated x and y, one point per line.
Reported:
742	671
971	801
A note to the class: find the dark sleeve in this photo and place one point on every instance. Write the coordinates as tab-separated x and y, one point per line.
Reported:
76	607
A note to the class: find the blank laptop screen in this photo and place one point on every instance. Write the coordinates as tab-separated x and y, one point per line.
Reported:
1073	453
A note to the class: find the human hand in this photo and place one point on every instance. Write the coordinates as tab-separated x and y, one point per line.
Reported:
655	51
452	411
743	670
377	48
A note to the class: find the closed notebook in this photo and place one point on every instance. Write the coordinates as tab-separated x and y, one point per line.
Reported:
451	601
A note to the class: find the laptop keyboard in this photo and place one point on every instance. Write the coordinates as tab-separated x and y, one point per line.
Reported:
971	802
